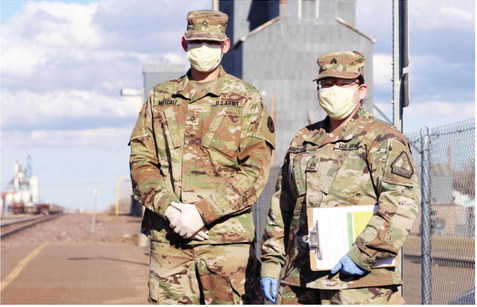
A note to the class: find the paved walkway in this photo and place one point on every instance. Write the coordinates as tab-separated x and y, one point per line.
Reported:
75	273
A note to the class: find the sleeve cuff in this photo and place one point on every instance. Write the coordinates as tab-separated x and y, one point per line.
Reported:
270	269
360	258
162	201
209	210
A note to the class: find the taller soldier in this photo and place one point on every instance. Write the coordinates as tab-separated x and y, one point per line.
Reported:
200	156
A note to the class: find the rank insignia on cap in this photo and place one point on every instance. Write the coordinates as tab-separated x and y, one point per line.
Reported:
334	61
402	166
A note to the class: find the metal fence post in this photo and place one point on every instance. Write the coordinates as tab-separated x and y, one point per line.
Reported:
426	290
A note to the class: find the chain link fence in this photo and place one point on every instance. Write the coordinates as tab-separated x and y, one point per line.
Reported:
439	257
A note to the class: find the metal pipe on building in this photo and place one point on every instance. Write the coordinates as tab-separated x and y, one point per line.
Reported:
300	8
317	9
215	5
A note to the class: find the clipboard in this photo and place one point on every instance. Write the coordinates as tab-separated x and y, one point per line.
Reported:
333	230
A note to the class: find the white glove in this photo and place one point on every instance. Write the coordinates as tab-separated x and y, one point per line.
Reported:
189	222
172	214
201	235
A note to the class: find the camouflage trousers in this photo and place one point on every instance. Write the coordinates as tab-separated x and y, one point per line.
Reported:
202	274
386	295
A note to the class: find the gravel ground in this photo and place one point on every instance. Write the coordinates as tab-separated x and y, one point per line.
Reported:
78	227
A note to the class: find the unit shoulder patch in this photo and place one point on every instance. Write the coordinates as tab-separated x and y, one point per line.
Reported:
402	166
399	167
266	129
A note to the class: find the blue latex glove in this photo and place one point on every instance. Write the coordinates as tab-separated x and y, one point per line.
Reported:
348	267
269	288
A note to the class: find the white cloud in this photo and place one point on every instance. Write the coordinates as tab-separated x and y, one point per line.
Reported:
44	31
62	61
19	61
53	42
442	14
62	45
424	16
445	77
382	70
376	25
59	25
110	137
64	67
29	108
433	114
428	113
442	108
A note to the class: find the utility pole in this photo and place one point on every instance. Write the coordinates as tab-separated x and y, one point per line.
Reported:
400	61
95	198
117	191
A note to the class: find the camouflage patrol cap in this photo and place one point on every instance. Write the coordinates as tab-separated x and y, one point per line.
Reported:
341	64
206	25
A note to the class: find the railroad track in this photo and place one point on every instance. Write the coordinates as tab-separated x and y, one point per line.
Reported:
11	227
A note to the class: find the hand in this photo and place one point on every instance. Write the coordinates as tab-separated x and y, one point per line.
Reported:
190	221
269	288
172	214
202	235
348	267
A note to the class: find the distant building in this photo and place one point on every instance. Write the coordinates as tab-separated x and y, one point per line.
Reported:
21	193
158	72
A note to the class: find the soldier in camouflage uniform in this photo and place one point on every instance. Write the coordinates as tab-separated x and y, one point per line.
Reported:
200	156
348	159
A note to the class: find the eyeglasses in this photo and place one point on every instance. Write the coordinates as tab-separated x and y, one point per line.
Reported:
200	41
340	83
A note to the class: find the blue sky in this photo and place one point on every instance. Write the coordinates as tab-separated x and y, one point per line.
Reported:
64	62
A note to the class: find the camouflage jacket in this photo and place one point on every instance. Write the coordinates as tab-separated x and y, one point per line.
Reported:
211	148
368	162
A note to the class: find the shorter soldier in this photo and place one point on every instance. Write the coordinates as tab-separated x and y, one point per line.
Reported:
348	159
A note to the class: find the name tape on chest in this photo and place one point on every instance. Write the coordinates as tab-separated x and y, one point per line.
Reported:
226	103
345	146
166	102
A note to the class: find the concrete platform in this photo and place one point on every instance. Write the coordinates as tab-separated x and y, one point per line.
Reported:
75	273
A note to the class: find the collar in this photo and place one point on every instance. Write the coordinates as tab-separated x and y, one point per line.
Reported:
346	133
186	90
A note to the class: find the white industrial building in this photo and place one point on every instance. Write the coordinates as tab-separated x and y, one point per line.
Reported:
21	193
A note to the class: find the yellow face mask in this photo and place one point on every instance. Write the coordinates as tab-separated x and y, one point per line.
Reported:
338	102
204	57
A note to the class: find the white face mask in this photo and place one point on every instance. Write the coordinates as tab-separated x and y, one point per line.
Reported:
338	102
204	57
